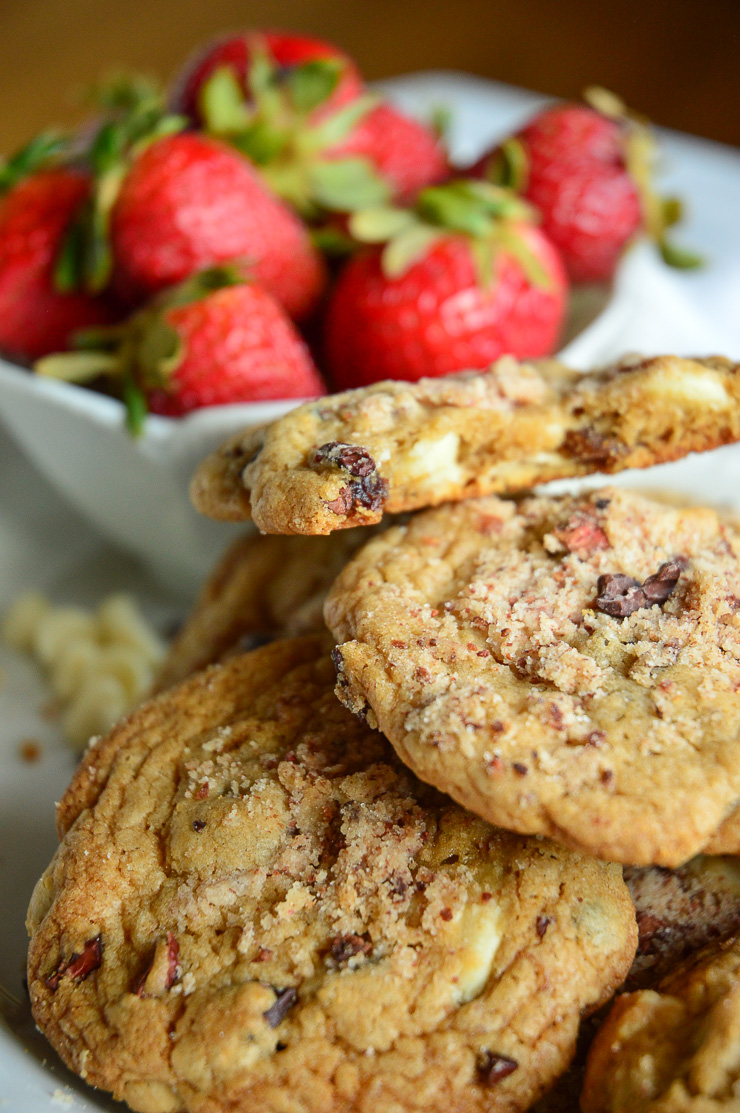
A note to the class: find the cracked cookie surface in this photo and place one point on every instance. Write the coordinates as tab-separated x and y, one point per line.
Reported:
347	459
256	906
674	1049
561	666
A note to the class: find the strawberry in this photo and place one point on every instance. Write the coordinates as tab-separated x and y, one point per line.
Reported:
287	51
189	202
587	169
462	279
213	340
36	316
320	152
406	153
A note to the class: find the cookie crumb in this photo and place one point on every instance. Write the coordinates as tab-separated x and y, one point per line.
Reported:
29	750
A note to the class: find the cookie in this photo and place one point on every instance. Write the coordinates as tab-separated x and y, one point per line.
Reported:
680	912
255	905
674	1049
262	588
347	459
561	666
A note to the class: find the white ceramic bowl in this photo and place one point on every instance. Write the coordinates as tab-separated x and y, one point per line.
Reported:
135	491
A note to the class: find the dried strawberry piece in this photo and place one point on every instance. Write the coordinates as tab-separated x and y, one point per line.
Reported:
582	535
492	1068
79	966
172	969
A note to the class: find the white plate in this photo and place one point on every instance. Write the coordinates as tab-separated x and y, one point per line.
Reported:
45	545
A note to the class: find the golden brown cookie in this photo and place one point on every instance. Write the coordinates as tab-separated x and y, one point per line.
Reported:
347	459
256	906
678	913
561	666
676	1049
262	588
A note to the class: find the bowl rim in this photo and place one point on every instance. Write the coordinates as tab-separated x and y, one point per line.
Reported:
107	411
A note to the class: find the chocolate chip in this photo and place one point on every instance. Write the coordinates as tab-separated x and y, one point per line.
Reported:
284	1001
79	966
601	504
621	595
353	458
492	1068
344	947
659	586
520	768
198	824
446	914
541	925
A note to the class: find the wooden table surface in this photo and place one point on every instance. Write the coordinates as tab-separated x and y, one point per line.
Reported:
675	60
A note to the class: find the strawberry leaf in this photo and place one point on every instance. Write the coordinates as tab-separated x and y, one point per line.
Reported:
679	257
221	102
261	142
68	268
331	240
200	285
509	239
605	102
159	352
441	120
312	83
77	367
336	126
348	184
407	248
43	149
484	261
376	225
135	403
509	166
451	208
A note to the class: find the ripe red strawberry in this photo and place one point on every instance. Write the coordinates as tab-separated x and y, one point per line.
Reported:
406	153
211	341
288	51
470	281
189	202
35	214
587	170
238	346
320	145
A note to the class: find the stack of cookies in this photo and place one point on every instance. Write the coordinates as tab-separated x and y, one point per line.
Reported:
477	783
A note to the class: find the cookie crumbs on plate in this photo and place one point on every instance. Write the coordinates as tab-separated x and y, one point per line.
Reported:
29	750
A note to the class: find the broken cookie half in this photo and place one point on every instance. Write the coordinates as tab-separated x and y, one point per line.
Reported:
347	459
256	906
